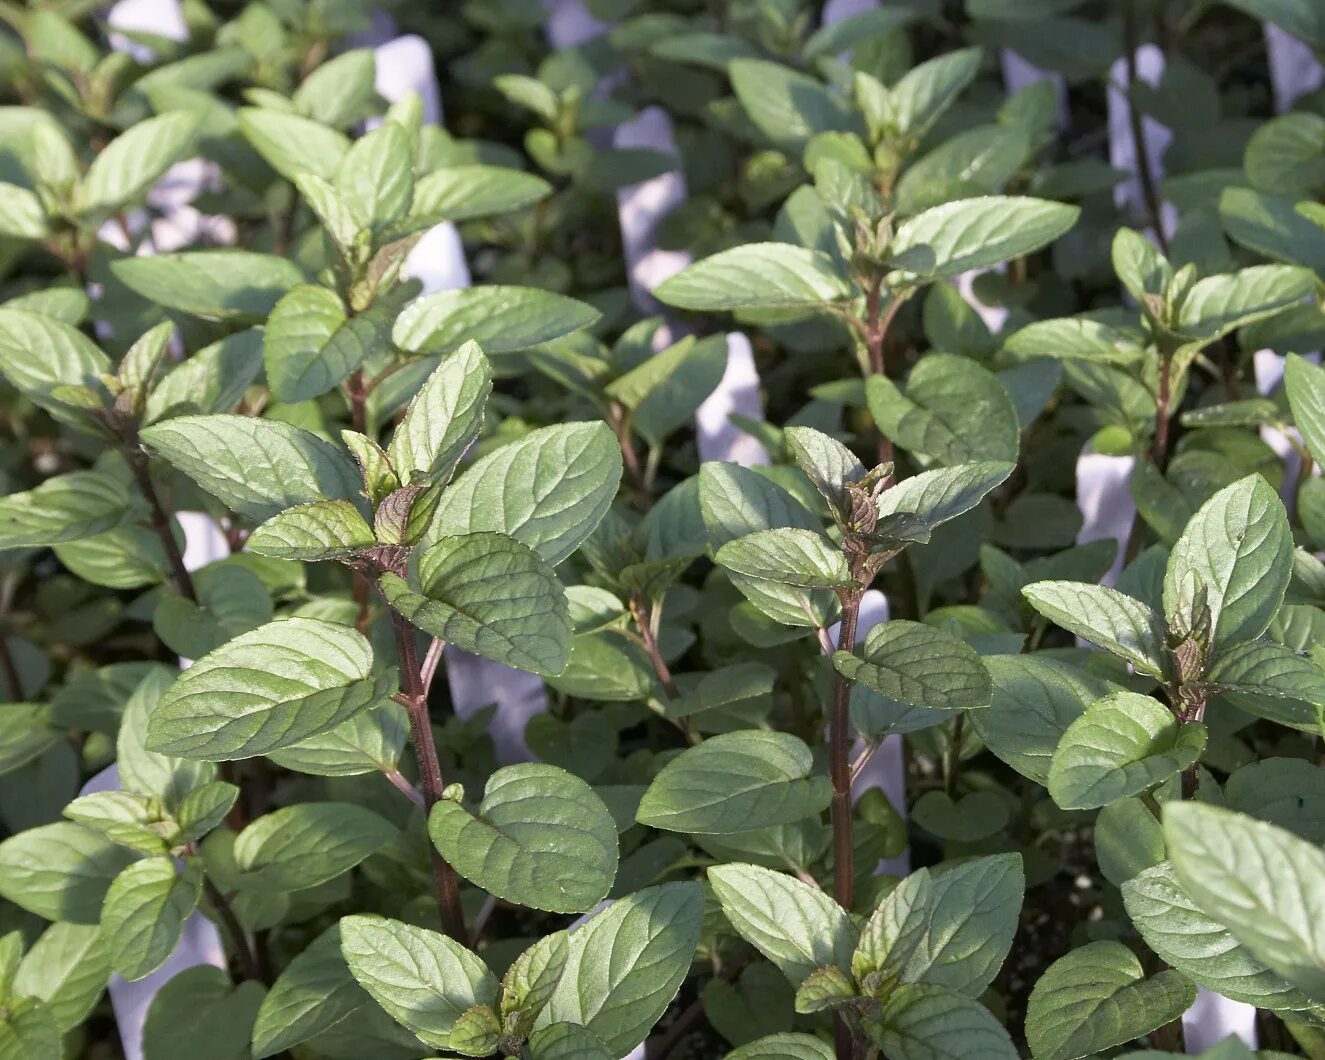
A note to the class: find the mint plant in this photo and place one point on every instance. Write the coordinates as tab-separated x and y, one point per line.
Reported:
875	746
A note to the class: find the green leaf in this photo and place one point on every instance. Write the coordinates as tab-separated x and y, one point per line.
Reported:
368	742
310	344
375	179
126	168
548	490
68	507
651	935
567	1041
757	276
39	353
663	393
1304	383
291	144
267	689
212	380
1261	882
1115	621
735	501
146	771
256	467
921	95
800	558
488	594
1122	745
952	411
735	782
320	530
67	968
1098	997
1217	305
464	193
1301	18
213	284
943	494
828	464
60	871
950	927
144	914
28	1031
443	419
1271	225
230	601
201	1014
919	665
1239	545
1271	681
975	234
22	215
923	1022
339	89
540	838
794	925
784	1047
529	982
1185	937
1074	338
315	993
787	106
308	843
500	319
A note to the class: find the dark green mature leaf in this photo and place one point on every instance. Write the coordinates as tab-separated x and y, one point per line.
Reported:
310	343
60	871
1174	926
306	844
540	838
784	1047
794	925
924	1022
1261	882
548	490
799	558
1240	546
735	782
1098	997
268	689
1122	745
1272	681
257	467
919	665
1113	620
652	935
945	493
488	594
735	501
215	284
757	276
500	319
68	507
200	1013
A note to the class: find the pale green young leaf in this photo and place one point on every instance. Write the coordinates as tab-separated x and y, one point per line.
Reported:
1304	383
339	89
1240	546
60	871
975	234
126	168
29	1031
291	144
945	493
423	979
1098	997
735	782
144	914
443	418
214	284
922	95
1261	882
652	935
794	925
757	276
488	594
1074	338
918	665
1139	264
308	843
22	215
69	507
567	1041
788	106
735	501
256	467
319	530
39	353
501	319
26	733
1124	744
343	225
827	463
529	982
1217	305
268	689
784	1047
1115	621
375	179
548	490
212	380
310	344
540	838
464	193
368	742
